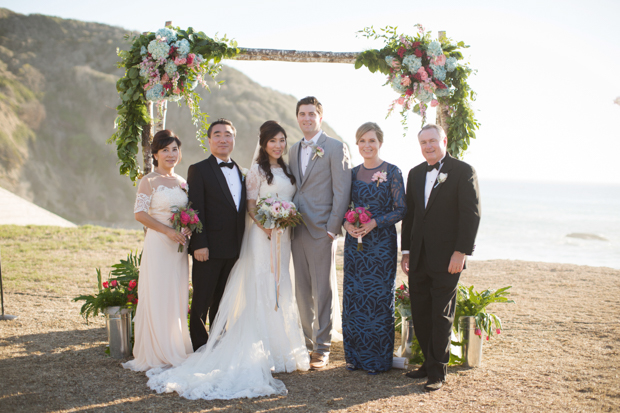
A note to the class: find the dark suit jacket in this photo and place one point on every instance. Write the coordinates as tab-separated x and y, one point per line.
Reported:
450	221
222	223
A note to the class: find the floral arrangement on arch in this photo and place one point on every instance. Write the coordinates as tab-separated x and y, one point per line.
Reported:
164	65
425	72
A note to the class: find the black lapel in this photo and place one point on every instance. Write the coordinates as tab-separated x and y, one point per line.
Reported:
420	182
222	180
447	165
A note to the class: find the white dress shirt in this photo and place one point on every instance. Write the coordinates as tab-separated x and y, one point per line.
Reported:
306	153
234	183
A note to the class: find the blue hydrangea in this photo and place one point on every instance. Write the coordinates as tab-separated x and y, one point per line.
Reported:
182	48
143	51
451	64
155	93
439	72
434	48
397	86
443	92
413	63
170	67
169	34
389	60
144	72
424	96
159	50
174	98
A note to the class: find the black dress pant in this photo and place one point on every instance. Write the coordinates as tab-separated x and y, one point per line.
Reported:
433	302
208	280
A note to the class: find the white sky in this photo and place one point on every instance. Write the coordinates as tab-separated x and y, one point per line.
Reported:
548	71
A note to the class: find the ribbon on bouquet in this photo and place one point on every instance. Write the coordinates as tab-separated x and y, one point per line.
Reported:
276	252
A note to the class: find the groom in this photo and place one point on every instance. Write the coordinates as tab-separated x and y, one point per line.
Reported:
217	192
322	170
438	232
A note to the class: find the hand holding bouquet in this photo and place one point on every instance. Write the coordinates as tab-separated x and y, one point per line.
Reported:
357	217
272	212
185	217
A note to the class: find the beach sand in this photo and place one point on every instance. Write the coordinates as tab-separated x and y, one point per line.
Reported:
559	351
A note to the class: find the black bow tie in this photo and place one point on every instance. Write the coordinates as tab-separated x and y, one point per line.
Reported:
227	165
431	167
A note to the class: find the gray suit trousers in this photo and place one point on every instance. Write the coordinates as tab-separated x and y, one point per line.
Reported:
312	259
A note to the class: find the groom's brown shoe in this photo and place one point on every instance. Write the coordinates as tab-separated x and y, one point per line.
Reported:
318	361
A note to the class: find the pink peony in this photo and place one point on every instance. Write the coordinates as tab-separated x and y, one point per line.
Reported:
478	332
113	283
105	284
364	218
405	81
434	103
439	60
184	218
359	210
194	219
351	216
422	73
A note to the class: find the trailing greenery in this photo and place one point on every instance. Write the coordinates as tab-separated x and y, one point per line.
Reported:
133	115
435	75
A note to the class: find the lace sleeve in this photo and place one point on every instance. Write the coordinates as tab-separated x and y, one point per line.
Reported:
143	198
253	181
399	205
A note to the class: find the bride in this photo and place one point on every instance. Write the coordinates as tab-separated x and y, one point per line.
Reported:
251	337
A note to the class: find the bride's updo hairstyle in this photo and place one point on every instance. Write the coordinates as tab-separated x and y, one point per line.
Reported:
162	139
268	131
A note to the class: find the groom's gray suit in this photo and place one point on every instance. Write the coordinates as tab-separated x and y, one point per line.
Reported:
322	197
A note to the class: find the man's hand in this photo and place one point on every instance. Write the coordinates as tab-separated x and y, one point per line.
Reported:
457	262
330	235
404	263
202	254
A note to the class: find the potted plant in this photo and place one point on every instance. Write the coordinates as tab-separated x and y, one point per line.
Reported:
472	319
116	299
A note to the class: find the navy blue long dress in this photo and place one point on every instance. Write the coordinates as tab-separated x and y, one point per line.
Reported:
369	275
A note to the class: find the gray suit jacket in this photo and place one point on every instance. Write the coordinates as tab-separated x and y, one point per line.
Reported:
324	191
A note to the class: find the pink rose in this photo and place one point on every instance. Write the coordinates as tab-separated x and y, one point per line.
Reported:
105	284
178	61
194	219
401	101
114	283
478	332
351	216
434	103
190	59
177	91
132	284
405	81
402	287
184	218
364	218
487	338
439	60
422	73
359	210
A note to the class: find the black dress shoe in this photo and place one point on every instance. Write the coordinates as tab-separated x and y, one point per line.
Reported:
433	385
417	374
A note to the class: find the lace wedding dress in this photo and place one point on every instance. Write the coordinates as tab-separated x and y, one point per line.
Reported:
249	339
161	333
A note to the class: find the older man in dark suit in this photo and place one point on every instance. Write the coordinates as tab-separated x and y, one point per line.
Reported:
439	231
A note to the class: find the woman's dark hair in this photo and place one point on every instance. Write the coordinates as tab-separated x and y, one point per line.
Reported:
162	139
268	131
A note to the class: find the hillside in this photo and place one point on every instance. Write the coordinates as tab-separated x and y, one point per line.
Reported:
57	100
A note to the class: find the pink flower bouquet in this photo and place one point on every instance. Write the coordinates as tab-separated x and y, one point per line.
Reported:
185	217
358	216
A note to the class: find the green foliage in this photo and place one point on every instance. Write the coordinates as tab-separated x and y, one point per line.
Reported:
462	123
473	304
132	113
109	296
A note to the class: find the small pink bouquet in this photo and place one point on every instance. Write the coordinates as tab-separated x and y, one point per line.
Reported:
185	217
358	216
273	212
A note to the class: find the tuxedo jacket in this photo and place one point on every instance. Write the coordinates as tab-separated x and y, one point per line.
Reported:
323	192
450	220
222	223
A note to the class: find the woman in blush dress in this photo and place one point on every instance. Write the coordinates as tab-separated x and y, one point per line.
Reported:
161	332
254	333
370	273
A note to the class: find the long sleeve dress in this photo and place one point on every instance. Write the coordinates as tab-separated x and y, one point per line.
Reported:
369	274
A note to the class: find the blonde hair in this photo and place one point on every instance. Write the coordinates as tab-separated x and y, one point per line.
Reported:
367	127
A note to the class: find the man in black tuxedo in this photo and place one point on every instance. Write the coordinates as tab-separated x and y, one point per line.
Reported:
439	231
217	192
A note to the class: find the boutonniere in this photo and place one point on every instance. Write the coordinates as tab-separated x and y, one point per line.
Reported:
185	188
318	151
379	177
441	179
244	173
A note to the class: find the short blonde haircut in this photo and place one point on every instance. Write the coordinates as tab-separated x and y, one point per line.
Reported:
367	127
438	129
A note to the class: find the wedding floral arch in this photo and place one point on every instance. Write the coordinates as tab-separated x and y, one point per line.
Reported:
168	64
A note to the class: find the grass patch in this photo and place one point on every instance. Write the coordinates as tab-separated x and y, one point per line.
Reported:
61	260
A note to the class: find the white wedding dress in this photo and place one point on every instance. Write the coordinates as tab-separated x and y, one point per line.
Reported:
249	339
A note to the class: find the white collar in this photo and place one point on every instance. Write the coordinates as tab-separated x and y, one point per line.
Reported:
219	161
315	138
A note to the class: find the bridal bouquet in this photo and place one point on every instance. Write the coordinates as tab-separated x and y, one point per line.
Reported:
272	212
358	216
185	217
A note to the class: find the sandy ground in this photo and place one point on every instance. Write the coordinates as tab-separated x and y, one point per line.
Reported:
559	351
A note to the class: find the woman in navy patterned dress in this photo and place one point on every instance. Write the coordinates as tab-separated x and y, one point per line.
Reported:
369	274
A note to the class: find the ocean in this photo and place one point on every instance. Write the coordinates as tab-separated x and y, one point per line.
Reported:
532	221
